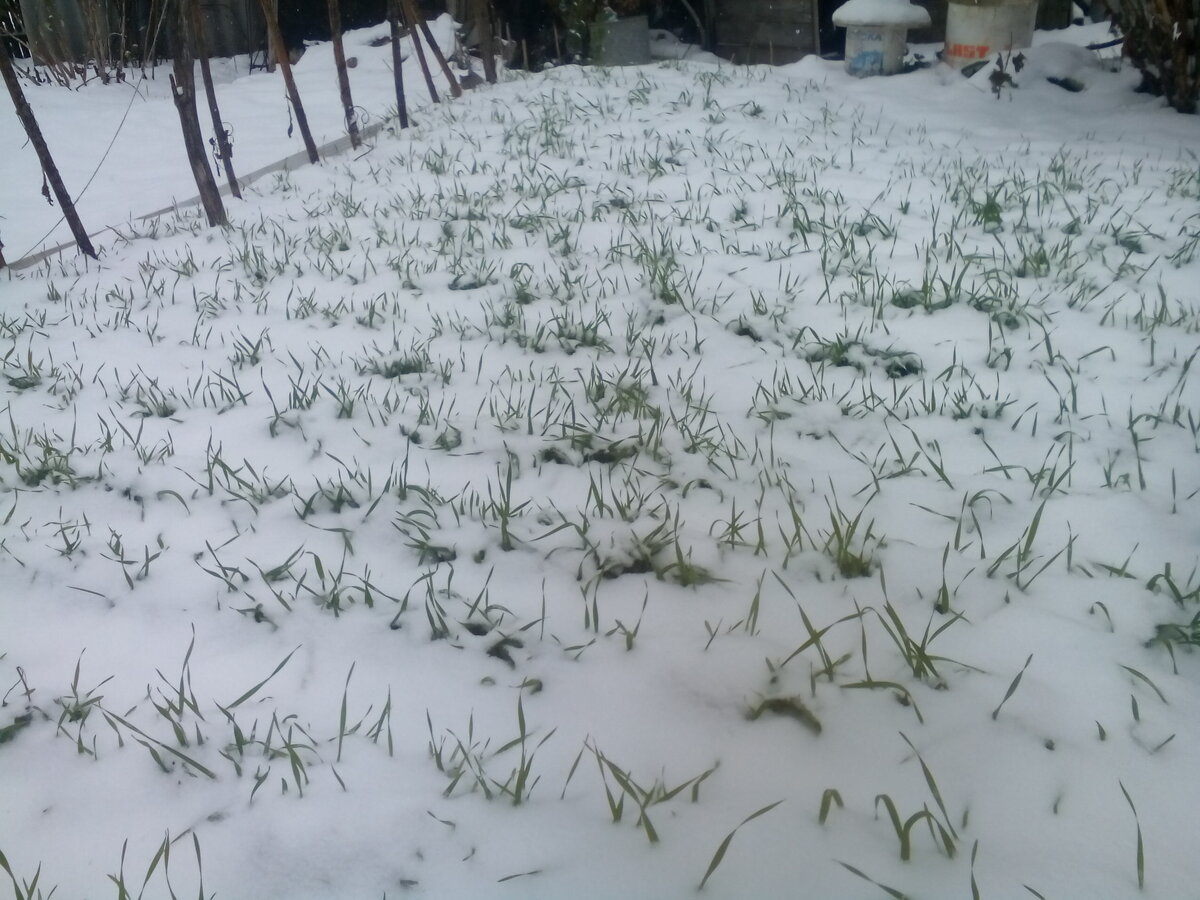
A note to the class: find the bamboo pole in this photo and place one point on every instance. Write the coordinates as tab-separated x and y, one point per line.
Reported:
485	29
183	91
339	59
397	63
415	16
224	150
416	42
281	58
25	114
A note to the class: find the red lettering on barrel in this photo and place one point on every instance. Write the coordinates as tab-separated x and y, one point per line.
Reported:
967	51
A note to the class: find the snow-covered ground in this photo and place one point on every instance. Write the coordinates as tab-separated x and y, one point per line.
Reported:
616	460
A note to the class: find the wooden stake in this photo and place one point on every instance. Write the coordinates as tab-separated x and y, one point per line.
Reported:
155	21
224	150
416	42
691	11
285	66
183	91
397	63
339	59
485	28
415	15
25	114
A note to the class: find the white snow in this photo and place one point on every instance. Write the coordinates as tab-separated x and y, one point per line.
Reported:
666	45
880	12
603	435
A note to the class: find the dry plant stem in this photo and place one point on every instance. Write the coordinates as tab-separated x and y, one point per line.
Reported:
415	16
25	114
222	137
281	58
339	59
96	35
397	63
183	91
410	21
157	18
122	54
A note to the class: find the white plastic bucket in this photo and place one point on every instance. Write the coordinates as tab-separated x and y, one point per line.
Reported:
875	49
980	30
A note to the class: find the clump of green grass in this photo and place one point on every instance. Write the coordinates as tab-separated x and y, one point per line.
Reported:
627	788
848	550
26	889
398	367
467	760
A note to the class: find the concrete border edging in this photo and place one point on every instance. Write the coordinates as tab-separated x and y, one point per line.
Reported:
295	160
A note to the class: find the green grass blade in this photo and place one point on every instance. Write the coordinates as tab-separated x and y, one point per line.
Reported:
1141	849
719	856
933	788
890	891
342	715
518	875
254	690
1012	688
1154	687
828	798
571	774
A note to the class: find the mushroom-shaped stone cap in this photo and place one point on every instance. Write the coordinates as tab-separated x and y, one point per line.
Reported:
880	12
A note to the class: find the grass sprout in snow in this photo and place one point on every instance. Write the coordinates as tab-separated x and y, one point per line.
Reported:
435	519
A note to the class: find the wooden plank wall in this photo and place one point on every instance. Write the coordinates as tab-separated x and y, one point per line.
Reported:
58	30
766	31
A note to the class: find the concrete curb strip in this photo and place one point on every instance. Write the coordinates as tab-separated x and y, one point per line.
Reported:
296	160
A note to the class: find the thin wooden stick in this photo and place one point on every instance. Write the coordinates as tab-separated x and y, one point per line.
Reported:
397	63
486	29
183	92
285	66
224	150
455	87
339	59
25	114
416	42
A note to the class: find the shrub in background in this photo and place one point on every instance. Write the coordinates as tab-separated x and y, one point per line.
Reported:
1162	38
